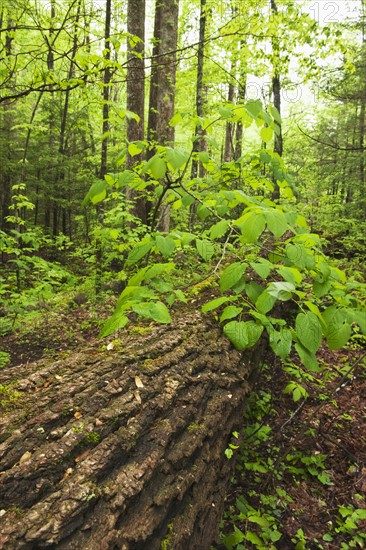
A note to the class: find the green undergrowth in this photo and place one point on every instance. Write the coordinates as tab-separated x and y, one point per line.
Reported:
279	458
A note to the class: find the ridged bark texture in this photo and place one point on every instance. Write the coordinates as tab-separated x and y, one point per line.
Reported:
123	448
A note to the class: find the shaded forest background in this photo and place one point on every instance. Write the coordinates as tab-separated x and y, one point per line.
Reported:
81	82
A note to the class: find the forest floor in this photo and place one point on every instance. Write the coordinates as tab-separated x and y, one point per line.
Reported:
301	475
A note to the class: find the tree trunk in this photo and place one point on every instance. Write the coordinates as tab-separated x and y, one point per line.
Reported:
105	142
136	96
162	83
229	145
276	90
199	143
125	448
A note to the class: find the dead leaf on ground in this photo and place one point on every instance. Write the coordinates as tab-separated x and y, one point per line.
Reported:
138	382
137	397
26	456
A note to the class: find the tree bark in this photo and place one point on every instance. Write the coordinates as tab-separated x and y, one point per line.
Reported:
199	143
162	84
276	91
107	75
136	97
124	448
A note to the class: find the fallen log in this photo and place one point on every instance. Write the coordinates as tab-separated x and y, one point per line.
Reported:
123	448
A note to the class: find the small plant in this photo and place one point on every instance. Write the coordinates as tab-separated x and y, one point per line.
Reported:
352	523
92	437
8	396
4	359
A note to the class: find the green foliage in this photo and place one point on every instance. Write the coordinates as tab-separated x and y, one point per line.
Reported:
258	515
8	396
4	359
284	268
27	279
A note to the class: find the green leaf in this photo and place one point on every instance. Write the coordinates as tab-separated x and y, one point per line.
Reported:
308	358
230	312
253	290
281	290
161	286
276	222
275	114
262	268
96	193
259	520
243	334
138	277
338	330
297	255
254	107
153	310
147	273
265	302
280	342
359	317
176	158
180	295
157	269
132	294
266	134
226	112
214	304
134	149
231	275
205	249
290	274
309	331
236	331
254	332
132	116
176	119
114	323
202	212
233	539
204	157
219	229
254	539
320	289
139	252
252	226
165	245
338	335
157	166
187	200
127	177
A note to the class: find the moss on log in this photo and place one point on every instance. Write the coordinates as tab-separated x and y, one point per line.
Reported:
123	448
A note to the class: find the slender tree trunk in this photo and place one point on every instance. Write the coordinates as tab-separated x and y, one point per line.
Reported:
276	91
136	96
104	148
63	127
200	143
239	125
363	111
162	85
229	144
6	123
